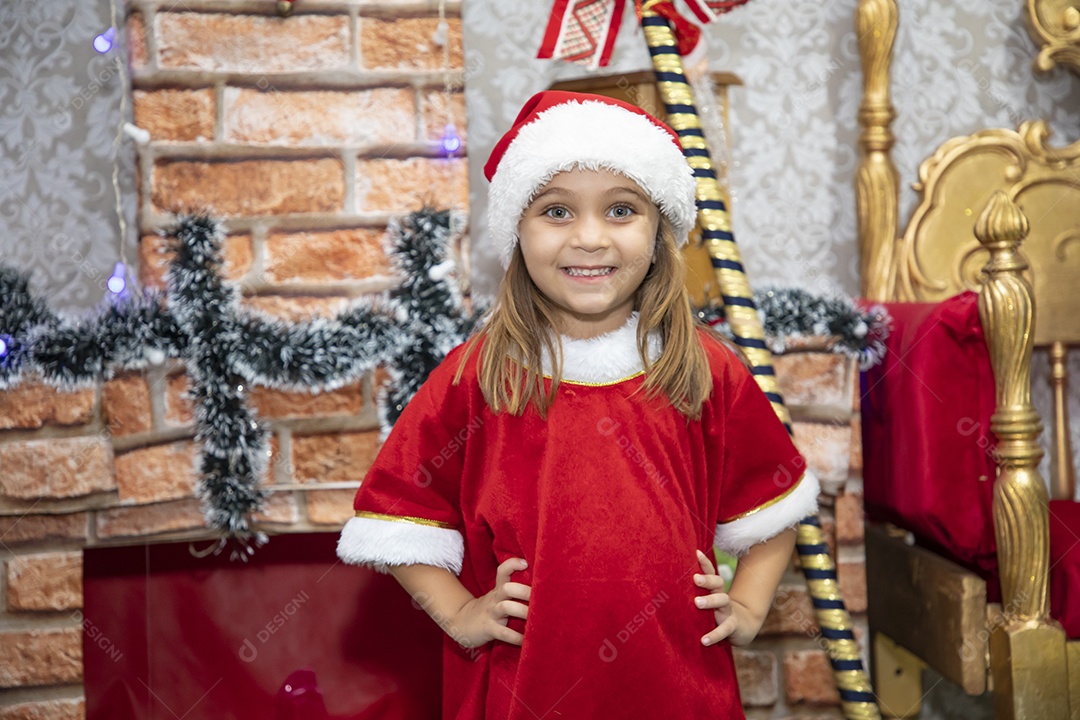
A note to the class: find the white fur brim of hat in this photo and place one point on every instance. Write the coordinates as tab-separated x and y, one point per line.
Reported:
590	135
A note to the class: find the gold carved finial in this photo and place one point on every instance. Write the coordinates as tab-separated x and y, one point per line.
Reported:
1007	312
1027	650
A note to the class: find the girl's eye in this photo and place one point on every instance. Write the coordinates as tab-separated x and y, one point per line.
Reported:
556	212
622	211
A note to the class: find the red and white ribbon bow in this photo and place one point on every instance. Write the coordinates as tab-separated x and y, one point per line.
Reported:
584	31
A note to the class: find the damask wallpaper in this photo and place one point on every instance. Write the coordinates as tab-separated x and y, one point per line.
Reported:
59	110
794	124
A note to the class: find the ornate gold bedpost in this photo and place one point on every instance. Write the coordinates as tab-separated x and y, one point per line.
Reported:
1027	650
856	694
877	193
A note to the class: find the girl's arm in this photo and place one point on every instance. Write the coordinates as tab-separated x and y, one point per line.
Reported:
470	621
741	611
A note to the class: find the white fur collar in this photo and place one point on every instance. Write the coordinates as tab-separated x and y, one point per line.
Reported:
605	358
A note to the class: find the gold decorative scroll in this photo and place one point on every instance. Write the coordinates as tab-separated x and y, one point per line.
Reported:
1054	25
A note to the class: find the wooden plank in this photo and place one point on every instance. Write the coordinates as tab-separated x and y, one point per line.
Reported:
932	607
897	679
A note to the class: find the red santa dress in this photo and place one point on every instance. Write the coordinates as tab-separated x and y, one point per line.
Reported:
607	500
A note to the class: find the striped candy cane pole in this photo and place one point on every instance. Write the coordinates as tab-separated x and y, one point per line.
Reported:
855	692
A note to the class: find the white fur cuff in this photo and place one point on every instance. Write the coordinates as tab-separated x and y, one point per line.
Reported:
738	536
382	543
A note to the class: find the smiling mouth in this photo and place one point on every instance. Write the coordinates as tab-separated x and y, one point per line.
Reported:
588	272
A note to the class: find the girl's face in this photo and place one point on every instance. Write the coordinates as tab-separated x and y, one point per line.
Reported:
588	239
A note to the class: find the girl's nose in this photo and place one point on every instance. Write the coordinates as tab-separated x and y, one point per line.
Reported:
592	233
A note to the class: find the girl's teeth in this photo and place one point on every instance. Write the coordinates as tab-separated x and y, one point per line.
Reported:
589	273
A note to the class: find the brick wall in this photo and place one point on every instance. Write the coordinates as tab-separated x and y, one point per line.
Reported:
306	134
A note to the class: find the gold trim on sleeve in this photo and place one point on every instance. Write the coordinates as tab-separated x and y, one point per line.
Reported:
404	518
767	504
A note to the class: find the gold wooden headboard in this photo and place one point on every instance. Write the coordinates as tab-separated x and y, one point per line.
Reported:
939	256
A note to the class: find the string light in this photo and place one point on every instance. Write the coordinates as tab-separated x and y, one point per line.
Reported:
118	280
104	42
119	276
5	343
451	141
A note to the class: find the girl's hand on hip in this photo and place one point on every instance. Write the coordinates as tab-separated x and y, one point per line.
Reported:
732	619
484	619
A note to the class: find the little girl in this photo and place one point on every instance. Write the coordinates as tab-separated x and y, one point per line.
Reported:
553	492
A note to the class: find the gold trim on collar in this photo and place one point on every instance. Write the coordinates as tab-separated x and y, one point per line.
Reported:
764	505
599	384
403	518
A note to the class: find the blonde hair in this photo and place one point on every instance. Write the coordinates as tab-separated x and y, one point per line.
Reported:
521	326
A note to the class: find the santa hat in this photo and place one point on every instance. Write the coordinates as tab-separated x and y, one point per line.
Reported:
558	131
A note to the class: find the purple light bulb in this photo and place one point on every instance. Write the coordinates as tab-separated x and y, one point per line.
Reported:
117	282
103	43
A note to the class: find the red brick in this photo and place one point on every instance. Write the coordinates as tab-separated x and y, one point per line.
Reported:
20	529
849	518
297	308
167	115
791	613
376	376
333	457
855	460
330	507
48	582
125	404
154	258
813	379
828	529
756	672
270	403
177	405
852	578
808	678
407	44
66	709
249	187
144	520
357	118
136	36
402	185
33	404
40	657
434	115
380	378
55	468
251	43
826	447
156	473
337	255
280	509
